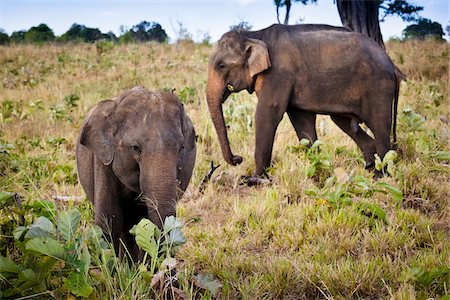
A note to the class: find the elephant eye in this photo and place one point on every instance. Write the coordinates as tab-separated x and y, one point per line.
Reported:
136	149
220	65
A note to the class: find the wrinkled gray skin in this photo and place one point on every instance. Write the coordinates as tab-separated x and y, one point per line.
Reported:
322	69
140	145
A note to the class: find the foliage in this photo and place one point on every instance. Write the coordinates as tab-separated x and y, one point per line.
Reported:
81	33
4	38
288	4
39	34
424	28
407	11
243	25
55	253
17	37
148	31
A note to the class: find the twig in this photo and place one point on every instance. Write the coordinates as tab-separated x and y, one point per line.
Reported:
207	177
17	200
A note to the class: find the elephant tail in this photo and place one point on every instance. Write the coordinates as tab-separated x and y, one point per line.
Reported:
399	76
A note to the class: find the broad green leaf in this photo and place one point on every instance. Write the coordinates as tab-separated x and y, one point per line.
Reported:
6	199
68	223
42	227
372	210
168	264
27	279
311	170
304	142
77	285
172	222
172	229
397	195
47	246
7	265
378	162
144	233
19	231
85	259
207	282
316	144
390	156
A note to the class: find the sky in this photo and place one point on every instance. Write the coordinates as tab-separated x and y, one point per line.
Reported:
199	17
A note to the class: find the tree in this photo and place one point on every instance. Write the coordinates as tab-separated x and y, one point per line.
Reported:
363	15
288	4
424	28
39	34
17	37
241	26
82	33
4	38
149	31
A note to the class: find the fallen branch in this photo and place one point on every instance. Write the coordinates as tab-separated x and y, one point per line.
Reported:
207	177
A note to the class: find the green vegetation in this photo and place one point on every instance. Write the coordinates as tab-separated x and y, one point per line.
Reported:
323	227
142	32
424	28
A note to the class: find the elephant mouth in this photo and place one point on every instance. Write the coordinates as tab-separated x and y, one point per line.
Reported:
225	94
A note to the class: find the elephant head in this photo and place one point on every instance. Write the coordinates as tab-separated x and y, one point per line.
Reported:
233	67
147	141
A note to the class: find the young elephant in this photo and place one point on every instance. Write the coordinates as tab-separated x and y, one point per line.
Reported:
135	156
303	72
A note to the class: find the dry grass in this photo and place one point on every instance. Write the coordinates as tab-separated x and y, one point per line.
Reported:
288	240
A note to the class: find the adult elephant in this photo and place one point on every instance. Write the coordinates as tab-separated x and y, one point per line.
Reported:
303	72
135	156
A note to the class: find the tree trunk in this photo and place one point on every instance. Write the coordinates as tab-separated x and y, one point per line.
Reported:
361	16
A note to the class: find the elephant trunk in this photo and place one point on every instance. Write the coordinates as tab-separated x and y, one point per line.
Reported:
215	96
158	181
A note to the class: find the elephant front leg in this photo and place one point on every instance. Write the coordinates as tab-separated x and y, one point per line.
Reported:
268	116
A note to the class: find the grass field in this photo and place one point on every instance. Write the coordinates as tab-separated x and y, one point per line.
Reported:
324	228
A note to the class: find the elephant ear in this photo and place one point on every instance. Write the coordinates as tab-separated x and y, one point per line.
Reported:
188	131
98	130
257	56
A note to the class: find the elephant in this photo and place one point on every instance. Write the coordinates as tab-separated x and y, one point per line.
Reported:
305	70
135	155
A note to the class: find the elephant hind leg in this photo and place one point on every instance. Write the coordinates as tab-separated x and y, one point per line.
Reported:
304	123
363	140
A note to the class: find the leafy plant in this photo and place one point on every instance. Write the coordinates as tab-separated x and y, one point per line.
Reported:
54	253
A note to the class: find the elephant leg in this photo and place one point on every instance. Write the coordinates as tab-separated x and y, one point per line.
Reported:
134	212
107	208
362	139
268	115
304	123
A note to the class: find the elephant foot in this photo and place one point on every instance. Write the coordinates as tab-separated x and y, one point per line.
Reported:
370	165
377	174
254	181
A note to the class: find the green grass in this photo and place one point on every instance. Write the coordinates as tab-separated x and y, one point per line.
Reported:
331	231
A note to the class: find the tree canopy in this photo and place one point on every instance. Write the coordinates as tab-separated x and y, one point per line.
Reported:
142	32
241	26
148	31
39	34
363	15
424	28
82	33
